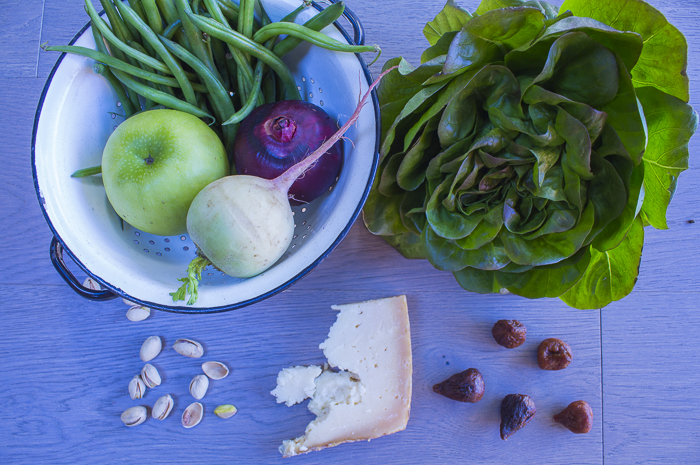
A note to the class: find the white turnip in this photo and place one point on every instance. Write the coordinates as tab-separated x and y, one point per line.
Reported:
243	224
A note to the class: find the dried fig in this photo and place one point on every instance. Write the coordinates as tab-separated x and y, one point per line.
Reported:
554	354
516	411
509	333
467	386
578	417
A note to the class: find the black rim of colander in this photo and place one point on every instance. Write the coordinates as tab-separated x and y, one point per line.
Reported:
355	22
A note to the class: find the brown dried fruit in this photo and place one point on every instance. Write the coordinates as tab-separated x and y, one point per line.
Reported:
554	354
578	417
509	333
467	386
516	411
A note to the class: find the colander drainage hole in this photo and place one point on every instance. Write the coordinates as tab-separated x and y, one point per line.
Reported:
183	238
167	239
303	223
303	210
136	233
146	250
167	249
159	254
119	104
136	242
185	248
152	242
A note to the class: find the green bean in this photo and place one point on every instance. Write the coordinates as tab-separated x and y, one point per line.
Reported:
138	8
229	5
114	40
115	21
292	16
170	31
170	14
121	66
268	87
194	35
93	170
217	49
244	70
231	15
217	93
175	69
161	97
122	97
317	38
153	15
323	19
149	104
261	53
133	99
250	104
246	15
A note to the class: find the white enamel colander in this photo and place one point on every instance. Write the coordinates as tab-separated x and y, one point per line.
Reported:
78	111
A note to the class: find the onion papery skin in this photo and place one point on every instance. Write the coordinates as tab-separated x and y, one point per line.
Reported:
242	224
262	150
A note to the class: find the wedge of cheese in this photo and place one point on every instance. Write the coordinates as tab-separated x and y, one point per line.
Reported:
365	392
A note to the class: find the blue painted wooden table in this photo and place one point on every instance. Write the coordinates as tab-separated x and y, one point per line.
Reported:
65	362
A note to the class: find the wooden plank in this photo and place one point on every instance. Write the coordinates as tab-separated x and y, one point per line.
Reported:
650	379
20	34
70	405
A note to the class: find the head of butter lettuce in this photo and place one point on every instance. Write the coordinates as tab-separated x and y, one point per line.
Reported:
532	146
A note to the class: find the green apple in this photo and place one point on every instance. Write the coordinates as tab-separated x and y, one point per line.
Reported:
155	163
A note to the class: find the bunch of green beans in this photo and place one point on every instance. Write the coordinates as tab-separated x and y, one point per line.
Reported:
210	58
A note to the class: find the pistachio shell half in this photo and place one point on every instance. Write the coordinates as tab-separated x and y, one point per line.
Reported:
215	370
150	376
138	313
188	348
136	388
134	416
192	415
199	386
150	348
225	411
92	284
162	407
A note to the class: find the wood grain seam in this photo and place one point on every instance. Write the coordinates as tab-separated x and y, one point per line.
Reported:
602	397
41	32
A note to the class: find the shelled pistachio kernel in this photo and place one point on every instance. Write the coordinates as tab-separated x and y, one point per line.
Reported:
225	411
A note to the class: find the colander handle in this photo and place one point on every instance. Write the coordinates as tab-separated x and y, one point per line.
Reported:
60	265
358	31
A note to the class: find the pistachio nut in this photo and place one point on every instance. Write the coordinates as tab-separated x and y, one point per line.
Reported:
215	370
138	313
162	408
92	284
150	376
199	386
134	416
225	411
188	348
192	415
136	388
151	348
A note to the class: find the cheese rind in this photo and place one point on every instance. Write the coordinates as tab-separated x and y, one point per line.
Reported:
371	342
